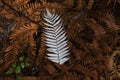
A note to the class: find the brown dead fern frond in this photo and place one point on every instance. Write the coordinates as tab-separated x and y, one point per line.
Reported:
21	40
112	1
70	76
80	5
76	53
97	28
42	51
24	34
110	22
68	3
6	12
16	3
90	4
114	65
84	70
31	10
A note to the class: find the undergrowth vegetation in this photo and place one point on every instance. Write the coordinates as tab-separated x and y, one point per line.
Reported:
60	39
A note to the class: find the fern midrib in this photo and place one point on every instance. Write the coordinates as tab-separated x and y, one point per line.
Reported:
56	43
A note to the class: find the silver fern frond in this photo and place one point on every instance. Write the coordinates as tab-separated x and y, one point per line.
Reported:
56	38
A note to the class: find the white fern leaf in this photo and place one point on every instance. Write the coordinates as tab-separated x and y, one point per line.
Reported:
55	38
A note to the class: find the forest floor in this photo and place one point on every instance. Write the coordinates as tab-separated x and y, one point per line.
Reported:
91	29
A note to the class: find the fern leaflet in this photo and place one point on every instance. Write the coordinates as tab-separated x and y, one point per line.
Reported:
55	38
